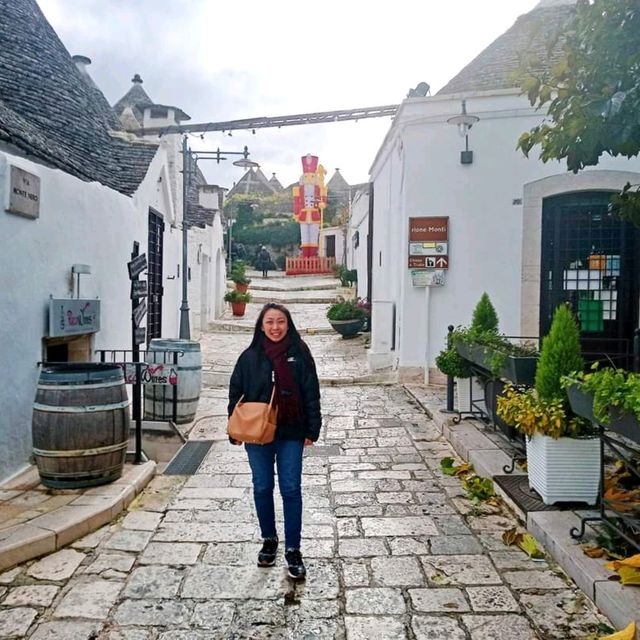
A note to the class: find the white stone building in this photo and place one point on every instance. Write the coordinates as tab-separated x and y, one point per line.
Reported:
530	234
76	191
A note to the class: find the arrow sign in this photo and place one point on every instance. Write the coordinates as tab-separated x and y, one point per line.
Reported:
137	265
442	262
138	289
139	312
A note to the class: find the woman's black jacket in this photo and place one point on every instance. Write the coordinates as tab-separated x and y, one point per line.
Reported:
253	375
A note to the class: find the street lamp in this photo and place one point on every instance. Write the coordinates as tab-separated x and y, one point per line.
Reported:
189	157
464	122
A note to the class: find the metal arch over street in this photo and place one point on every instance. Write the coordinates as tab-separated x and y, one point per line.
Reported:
265	122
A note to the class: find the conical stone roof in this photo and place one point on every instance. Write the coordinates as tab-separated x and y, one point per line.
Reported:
498	66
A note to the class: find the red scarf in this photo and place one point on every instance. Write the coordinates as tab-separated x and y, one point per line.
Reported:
287	393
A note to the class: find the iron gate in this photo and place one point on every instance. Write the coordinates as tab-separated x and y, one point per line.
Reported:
154	275
589	259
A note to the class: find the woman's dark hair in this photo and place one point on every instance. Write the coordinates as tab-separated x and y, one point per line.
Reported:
292	332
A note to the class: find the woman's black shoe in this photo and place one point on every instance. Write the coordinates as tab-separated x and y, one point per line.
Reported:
267	555
297	570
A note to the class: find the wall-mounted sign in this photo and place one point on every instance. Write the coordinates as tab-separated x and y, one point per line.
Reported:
429	229
72	316
427	278
139	312
428	248
137	265
429	243
160	374
24	193
138	289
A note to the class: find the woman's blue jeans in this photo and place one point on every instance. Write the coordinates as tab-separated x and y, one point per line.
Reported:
287	456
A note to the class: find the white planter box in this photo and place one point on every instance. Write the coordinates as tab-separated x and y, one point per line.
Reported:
564	470
464	391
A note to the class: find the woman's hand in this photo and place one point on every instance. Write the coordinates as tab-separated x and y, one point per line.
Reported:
308	443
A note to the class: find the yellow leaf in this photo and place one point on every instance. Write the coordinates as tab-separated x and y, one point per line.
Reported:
633	561
628	633
595	552
629	575
465	467
530	546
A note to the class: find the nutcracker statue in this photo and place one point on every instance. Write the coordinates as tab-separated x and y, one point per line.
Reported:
309	202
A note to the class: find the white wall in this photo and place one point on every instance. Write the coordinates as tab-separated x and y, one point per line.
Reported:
338	234
357	256
207	285
418	173
79	222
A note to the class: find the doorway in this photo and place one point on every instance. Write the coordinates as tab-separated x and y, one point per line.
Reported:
154	275
589	261
331	246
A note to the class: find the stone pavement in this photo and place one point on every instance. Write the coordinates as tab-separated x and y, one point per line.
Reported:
394	549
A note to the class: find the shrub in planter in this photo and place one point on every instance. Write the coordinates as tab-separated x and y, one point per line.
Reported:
238	275
238	301
346	310
483	345
560	355
563	455
484	317
233	295
347	317
610	397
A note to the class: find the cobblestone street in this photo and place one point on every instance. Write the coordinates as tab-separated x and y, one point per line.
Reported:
393	547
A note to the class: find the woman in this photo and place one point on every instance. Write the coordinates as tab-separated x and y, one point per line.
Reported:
277	355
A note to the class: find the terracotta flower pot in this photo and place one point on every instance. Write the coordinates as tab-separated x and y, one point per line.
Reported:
237	308
242	288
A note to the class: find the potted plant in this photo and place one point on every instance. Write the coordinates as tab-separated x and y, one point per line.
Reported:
484	346
238	301
451	363
239	276
563	450
347	317
607	396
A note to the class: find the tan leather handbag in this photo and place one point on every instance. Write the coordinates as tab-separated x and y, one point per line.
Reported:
253	422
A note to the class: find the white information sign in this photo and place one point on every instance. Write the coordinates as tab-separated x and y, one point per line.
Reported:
428	248
427	278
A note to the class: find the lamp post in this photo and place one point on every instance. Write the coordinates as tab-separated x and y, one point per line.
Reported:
189	159
230	223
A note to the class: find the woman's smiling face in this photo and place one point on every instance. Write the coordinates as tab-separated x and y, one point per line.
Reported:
275	325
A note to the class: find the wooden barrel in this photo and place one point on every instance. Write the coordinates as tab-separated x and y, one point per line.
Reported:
80	425
158	400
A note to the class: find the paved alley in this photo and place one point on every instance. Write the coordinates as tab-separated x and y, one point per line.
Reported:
394	549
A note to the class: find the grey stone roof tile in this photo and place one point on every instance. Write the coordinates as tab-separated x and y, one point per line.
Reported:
529	38
50	112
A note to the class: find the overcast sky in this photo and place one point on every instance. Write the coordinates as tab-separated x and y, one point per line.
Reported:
225	60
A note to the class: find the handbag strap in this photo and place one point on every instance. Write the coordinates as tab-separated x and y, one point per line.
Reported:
273	392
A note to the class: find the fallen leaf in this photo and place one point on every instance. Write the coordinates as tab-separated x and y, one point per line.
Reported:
629	575
628	633
510	536
530	546
465	467
595	552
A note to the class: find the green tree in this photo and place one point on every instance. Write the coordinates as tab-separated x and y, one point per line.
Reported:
592	94
560	355
484	316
